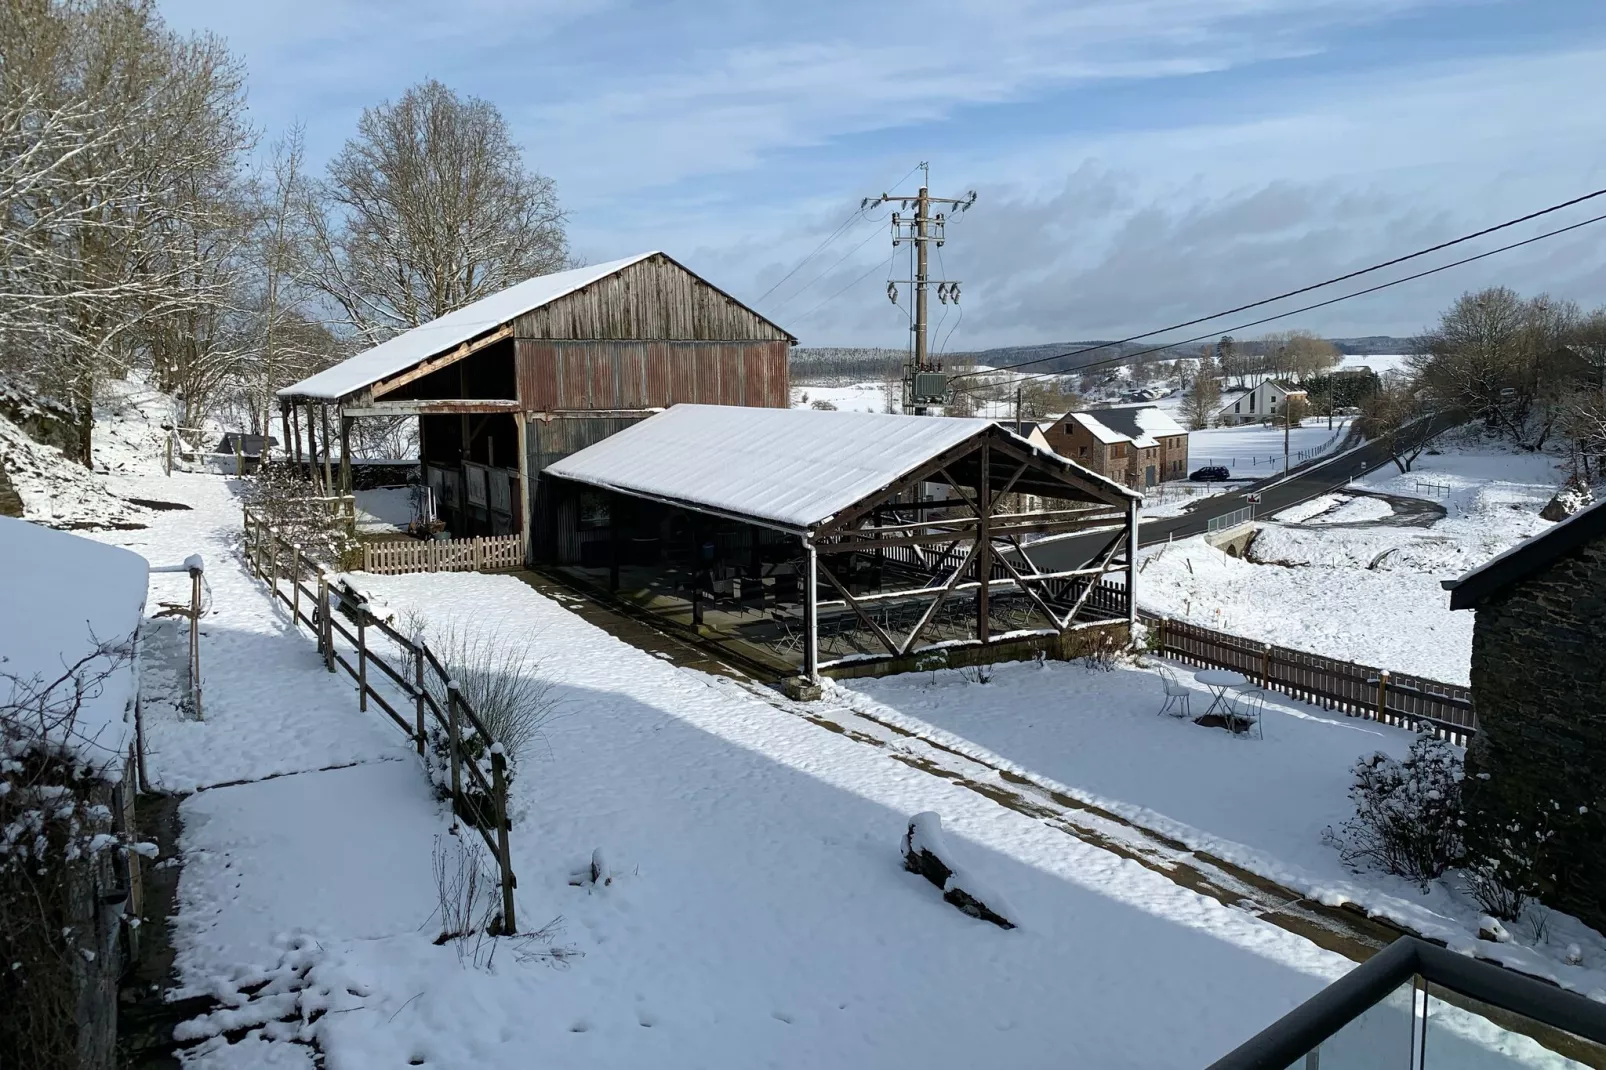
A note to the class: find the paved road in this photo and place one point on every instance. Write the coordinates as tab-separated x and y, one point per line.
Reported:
1314	478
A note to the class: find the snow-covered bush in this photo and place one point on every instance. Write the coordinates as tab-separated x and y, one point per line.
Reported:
1513	860
1407	812
281	497
62	861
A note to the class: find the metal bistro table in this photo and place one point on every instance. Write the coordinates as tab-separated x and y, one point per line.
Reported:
1219	681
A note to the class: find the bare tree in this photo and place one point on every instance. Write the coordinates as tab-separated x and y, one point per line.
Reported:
428	208
115	134
1394	416
1204	394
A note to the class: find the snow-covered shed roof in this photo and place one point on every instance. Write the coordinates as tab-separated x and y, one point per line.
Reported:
66	596
795	468
397	354
1527	557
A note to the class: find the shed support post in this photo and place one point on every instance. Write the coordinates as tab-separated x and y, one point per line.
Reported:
613	543
1131	568
295	435
984	547
328	471
525	515
284	429
811	612
345	453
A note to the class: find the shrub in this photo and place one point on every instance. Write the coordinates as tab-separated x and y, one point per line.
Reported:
1407	813
279	496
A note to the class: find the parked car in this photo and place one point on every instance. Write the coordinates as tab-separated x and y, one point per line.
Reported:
1211	473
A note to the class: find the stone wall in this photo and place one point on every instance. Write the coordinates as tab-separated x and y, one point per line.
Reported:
1539	681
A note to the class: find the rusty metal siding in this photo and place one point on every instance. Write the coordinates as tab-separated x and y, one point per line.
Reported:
572	375
655	298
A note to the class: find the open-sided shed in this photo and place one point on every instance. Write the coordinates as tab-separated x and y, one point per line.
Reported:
888	517
506	385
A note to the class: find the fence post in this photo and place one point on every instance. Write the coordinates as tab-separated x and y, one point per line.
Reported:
1382	693
273	566
1160	628
499	789
326	637
453	743
477	552
418	689
1265	666
362	659
295	585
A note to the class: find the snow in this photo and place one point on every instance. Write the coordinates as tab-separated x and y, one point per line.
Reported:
1464	577
1370	593
384	508
857	397
403	351
68	598
1255	451
792	467
57	492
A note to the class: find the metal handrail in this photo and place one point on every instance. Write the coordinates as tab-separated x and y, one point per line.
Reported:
1293	1036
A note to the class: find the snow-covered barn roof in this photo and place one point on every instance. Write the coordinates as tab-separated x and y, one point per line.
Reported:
66	595
1527	557
397	354
795	468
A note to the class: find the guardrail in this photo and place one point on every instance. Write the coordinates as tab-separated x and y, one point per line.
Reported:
1229	520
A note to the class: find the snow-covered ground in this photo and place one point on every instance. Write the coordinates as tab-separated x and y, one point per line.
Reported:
859	397
758	913
1256	452
1369	593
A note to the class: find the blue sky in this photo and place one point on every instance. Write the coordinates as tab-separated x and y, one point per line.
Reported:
1137	161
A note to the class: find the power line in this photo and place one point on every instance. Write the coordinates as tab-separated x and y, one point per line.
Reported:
873	269
1318	285
804	288
1291	312
842	226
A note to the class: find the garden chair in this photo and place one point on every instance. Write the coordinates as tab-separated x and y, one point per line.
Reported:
1248	709
1177	694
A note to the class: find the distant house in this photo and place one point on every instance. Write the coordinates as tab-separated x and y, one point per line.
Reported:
250	446
1539	688
1137	446
1265	402
1032	431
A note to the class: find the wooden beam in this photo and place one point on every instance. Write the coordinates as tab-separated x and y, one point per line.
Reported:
441	407
984	563
435	364
524	515
1103	566
1020	581
858	611
328	473
811	613
853	514
1086	487
931	610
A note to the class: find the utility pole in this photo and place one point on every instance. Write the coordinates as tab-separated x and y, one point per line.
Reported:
922	383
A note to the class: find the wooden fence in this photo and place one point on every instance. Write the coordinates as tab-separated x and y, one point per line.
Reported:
442	555
304	586
1359	690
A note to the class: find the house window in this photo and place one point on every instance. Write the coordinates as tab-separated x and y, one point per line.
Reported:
1237	406
1081	451
1251	401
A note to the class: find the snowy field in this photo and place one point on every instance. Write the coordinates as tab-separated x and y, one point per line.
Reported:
859	397
1255	451
1369	593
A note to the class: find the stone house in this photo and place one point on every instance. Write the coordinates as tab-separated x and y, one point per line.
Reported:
1539	687
1265	402
1137	446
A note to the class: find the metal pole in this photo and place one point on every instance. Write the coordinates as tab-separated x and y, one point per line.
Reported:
922	213
1131	567
195	640
811	613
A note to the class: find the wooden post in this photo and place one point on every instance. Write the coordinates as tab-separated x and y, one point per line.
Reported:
1382	693
295	585
239	457
811	613
284	428
168	456
294	411
1159	627
362	659
328	439
326	629
504	861
1265	666
524	514
478	547
984	546
273	566
418	691
454	745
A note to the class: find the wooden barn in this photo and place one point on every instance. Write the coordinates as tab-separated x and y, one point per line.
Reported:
505	386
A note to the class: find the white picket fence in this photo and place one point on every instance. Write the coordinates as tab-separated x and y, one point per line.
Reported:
479	554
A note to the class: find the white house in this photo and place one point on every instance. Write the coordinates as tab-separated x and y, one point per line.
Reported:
1265	402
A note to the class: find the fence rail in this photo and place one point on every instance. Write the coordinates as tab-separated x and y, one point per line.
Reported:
295	578
1229	520
1359	690
442	555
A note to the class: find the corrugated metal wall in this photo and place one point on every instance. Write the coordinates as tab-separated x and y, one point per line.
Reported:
554	512
558	375
656	298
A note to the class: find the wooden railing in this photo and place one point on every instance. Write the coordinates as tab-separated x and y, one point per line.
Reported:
313	600
442	555
1359	690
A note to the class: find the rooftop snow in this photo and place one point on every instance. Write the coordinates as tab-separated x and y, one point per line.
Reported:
792	467
438	335
67	594
1137	424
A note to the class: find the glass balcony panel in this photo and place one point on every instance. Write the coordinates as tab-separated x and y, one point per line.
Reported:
1464	1033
